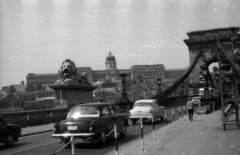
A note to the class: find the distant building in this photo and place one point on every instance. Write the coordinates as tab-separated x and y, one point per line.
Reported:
20	88
87	70
43	79
148	71
3	91
111	72
174	73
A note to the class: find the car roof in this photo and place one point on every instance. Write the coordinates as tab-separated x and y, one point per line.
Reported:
146	100
95	104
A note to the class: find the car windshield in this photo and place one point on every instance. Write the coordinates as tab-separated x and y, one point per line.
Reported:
143	104
83	112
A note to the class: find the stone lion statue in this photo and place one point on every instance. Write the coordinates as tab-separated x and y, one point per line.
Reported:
68	73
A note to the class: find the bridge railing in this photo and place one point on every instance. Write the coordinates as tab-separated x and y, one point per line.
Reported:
40	117
35	117
172	101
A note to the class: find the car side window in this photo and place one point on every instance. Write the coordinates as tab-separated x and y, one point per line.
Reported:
157	105
105	111
111	109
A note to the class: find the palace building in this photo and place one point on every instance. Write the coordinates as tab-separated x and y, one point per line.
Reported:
110	72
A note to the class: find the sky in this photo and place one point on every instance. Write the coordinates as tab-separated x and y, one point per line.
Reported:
36	36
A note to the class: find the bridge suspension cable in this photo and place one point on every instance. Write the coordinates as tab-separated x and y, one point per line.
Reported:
179	81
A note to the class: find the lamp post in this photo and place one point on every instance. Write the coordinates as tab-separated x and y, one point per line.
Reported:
103	95
205	73
123	79
206	96
159	82
217	100
195	89
124	99
216	75
182	91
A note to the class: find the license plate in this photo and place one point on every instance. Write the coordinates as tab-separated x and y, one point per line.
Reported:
72	127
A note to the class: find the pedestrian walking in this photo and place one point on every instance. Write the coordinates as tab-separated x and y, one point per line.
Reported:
190	108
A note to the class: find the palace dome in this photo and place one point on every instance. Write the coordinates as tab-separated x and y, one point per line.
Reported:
110	57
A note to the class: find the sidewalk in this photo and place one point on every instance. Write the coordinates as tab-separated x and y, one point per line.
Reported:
203	136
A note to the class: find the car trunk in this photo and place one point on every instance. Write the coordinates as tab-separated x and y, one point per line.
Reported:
82	125
142	111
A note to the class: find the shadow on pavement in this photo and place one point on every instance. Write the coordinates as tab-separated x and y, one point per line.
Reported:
16	145
109	144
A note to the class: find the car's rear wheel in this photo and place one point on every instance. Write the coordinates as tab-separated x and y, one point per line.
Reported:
66	141
133	121
9	141
147	120
123	131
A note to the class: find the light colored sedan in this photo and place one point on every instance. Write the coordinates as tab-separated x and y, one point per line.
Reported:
196	100
146	109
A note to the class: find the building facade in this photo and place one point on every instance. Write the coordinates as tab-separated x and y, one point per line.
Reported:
110	72
148	71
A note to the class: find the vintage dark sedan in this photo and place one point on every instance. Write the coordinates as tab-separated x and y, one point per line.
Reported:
9	133
91	122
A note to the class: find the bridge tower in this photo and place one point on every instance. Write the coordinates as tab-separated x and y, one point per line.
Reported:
222	46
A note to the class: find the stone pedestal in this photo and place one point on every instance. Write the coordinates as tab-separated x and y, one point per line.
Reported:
71	94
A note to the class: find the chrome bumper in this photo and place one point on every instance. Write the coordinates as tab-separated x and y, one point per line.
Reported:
59	135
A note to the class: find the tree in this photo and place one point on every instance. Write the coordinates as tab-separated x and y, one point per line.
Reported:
128	84
12	89
140	78
38	87
133	81
30	88
5	102
108	84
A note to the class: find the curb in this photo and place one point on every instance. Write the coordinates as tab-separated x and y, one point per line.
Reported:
34	133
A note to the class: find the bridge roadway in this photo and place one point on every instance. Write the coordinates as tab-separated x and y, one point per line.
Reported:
203	136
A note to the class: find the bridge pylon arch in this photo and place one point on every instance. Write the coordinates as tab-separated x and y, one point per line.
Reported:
222	46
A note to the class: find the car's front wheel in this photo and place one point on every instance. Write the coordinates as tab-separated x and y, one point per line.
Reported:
103	137
9	141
